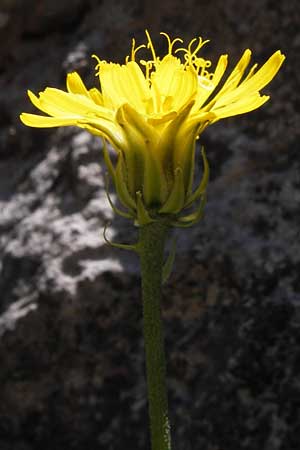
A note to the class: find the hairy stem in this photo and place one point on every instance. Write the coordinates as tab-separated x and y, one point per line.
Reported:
151	250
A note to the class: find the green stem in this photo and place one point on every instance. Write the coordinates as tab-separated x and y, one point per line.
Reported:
151	249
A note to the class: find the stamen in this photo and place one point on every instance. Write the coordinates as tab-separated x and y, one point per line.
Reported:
200	64
135	50
98	61
132	49
186	56
190	45
199	46
191	55
150	45
171	43
148	66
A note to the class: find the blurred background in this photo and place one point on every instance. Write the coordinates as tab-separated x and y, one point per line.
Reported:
71	346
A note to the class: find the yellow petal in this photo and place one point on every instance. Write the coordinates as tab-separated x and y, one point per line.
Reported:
34	120
172	81
255	82
57	102
75	84
124	84
264	75
46	107
96	96
203	93
246	104
164	74
237	73
139	82
233	79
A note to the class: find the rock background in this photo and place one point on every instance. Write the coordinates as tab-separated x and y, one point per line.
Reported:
71	348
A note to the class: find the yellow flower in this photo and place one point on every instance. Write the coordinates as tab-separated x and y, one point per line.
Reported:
152	111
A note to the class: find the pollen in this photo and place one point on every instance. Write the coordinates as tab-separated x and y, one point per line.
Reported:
205	83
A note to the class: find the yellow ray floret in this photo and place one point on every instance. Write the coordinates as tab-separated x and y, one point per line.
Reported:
152	111
158	89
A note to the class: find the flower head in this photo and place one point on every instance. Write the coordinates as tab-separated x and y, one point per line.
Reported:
152	111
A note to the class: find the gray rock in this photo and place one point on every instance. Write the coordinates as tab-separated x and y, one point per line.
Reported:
71	348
